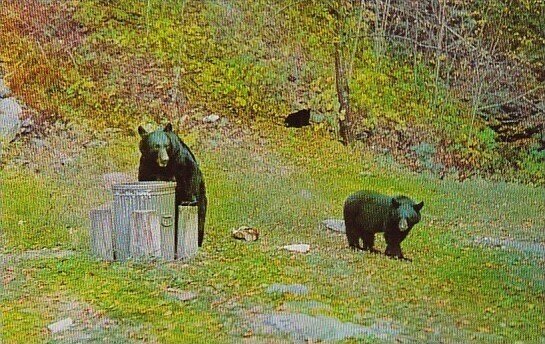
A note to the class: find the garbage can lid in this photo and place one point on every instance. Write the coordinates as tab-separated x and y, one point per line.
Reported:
155	186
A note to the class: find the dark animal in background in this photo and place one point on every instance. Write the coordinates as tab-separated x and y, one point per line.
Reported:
298	119
368	212
165	157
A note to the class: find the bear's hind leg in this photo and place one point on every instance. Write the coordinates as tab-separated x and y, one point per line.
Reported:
353	242
351	231
368	239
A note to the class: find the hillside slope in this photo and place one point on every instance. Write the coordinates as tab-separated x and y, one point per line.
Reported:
116	65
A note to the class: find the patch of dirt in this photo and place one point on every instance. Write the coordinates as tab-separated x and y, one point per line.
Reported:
141	80
13	258
400	144
270	165
56	147
257	158
89	325
44	21
10	274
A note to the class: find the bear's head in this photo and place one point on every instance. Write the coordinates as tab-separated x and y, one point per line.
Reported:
156	146
405	213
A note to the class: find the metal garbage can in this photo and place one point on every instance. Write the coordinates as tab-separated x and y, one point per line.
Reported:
128	197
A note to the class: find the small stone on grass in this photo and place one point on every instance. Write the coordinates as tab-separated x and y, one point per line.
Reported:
298	289
181	295
299	248
60	325
334	225
210	118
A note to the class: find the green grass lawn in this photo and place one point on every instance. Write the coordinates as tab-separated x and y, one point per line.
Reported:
453	291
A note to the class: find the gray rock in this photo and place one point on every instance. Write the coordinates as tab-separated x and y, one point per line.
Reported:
306	327
333	225
4	90
60	325
27	125
10	122
299	248
210	118
10	106
306	194
181	295
38	143
298	289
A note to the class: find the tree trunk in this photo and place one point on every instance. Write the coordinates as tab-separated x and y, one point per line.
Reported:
343	94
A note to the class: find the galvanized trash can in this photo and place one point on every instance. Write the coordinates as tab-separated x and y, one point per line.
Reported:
129	197
187	234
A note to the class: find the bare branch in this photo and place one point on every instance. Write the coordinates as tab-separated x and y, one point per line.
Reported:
512	99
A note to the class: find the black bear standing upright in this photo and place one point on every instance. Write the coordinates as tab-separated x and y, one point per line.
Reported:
368	212
298	119
165	157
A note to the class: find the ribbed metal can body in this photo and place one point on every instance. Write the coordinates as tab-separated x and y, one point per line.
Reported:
128	197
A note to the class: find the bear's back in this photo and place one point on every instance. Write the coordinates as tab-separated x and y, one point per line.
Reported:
368	209
181	150
370	198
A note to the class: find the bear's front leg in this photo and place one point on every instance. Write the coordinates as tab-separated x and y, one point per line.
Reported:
393	249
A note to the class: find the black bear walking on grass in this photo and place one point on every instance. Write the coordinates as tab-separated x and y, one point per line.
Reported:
368	212
165	157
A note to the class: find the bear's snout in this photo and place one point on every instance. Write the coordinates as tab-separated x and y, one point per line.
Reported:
403	225
162	158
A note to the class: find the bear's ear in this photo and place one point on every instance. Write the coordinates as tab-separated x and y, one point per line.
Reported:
395	203
142	131
418	206
168	127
